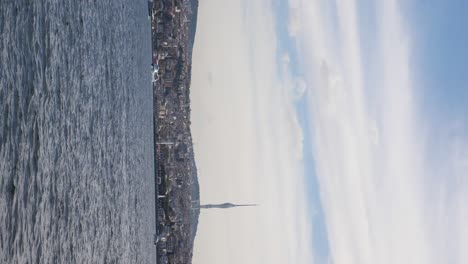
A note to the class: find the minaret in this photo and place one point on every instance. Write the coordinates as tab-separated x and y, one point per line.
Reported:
223	206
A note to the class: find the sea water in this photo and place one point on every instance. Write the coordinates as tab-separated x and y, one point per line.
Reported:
76	132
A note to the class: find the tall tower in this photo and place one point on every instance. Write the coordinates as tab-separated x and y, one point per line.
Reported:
223	206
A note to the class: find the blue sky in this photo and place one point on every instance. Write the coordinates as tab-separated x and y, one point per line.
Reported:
440	54
438	61
439	51
286	45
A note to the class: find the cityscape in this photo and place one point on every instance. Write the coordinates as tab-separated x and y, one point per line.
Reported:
173	25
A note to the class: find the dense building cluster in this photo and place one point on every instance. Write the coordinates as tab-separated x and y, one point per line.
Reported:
173	25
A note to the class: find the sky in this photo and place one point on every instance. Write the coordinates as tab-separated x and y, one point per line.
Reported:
345	120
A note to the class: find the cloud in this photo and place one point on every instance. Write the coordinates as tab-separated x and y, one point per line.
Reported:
299	88
295	86
294	24
392	190
384	200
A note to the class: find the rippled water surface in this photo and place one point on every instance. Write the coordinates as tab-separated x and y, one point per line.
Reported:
76	158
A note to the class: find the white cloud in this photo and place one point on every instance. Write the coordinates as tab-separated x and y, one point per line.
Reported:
295	86
382	199
294	24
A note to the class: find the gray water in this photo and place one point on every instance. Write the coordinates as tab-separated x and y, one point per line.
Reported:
76	156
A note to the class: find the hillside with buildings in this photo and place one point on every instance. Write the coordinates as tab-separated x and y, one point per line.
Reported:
177	189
